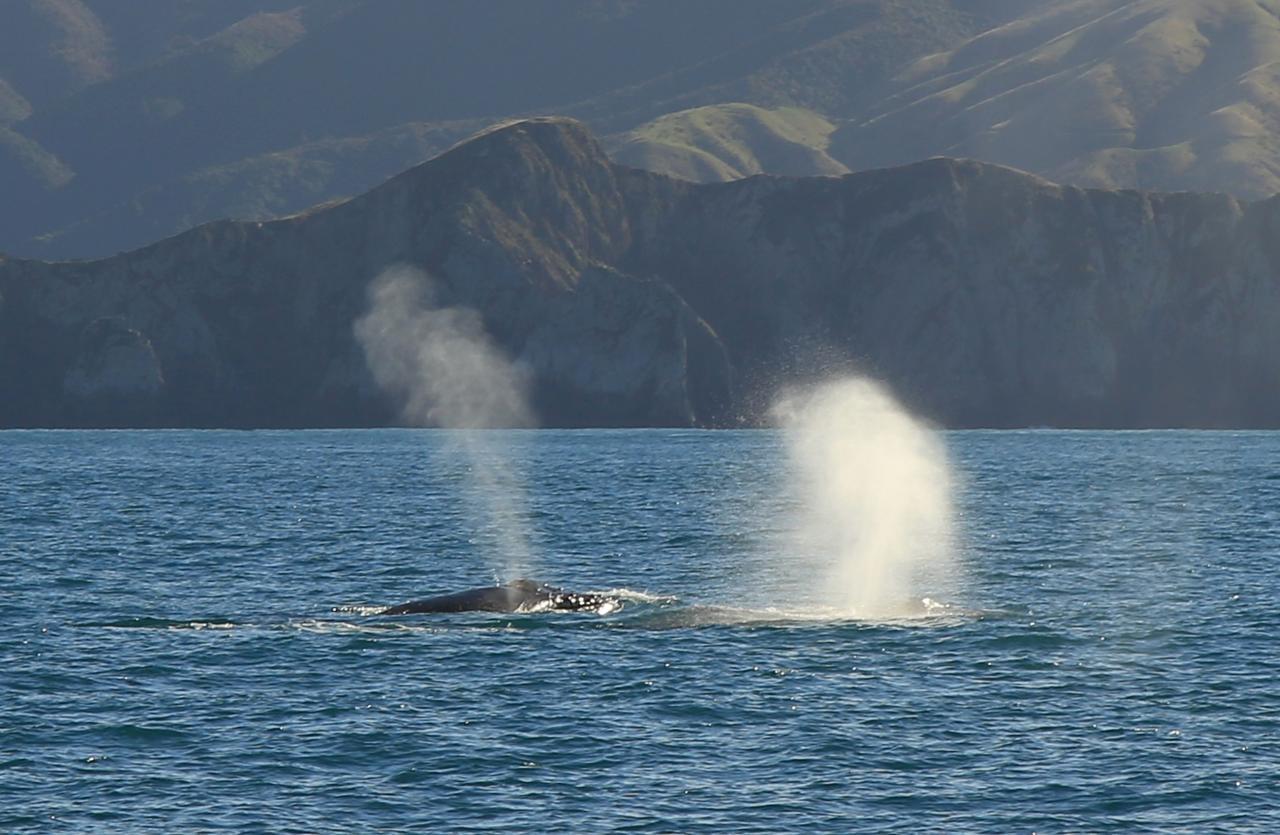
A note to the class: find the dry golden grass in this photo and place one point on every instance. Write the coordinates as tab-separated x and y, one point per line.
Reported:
730	141
1164	94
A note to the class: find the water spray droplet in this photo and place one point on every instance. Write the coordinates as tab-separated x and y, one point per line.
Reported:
876	524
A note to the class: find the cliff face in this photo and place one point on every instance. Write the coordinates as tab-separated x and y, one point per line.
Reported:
250	324
989	297
982	295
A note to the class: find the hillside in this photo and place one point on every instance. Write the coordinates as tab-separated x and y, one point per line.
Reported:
163	113
729	142
982	295
123	122
1168	94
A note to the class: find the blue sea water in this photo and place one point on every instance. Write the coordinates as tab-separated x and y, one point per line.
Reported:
187	644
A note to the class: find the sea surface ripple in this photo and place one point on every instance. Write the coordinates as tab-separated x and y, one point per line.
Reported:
187	639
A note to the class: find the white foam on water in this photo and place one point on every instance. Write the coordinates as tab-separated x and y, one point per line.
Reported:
633	596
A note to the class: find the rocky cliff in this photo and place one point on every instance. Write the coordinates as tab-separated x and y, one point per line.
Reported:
250	324
984	296
988	297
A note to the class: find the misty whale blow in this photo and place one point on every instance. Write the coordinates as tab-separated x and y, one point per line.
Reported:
515	596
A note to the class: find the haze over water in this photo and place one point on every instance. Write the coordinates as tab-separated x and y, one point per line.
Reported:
186	642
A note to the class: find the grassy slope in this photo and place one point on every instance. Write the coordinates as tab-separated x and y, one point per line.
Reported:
1166	94
24	163
259	187
50	48
155	134
126	121
729	141
14	107
830	58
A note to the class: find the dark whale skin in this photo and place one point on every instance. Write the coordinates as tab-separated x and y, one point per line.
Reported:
515	596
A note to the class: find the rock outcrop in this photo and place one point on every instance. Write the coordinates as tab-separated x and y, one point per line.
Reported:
983	295
115	378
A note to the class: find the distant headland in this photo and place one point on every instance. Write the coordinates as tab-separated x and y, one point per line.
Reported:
983	296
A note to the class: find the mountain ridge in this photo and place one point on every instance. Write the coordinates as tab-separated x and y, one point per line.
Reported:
982	295
1108	93
120	124
216	108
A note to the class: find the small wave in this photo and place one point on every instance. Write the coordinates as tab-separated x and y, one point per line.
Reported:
923	613
142	733
684	617
159	623
346	627
633	596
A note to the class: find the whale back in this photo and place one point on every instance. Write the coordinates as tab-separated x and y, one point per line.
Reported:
514	596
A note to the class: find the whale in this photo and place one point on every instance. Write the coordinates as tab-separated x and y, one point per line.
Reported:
516	596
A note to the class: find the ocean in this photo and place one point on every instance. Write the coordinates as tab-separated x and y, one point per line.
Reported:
190	642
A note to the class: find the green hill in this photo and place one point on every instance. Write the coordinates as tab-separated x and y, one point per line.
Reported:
172	113
730	141
125	122
1167	94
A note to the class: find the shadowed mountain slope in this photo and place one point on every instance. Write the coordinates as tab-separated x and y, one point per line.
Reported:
49	48
250	324
192	101
121	122
983	295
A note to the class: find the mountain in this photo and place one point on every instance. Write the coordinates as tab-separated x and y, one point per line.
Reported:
982	295
48	49
124	122
1167	94
729	142
130	120
251	324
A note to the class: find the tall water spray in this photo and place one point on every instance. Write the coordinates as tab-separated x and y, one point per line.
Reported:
874	530
447	372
